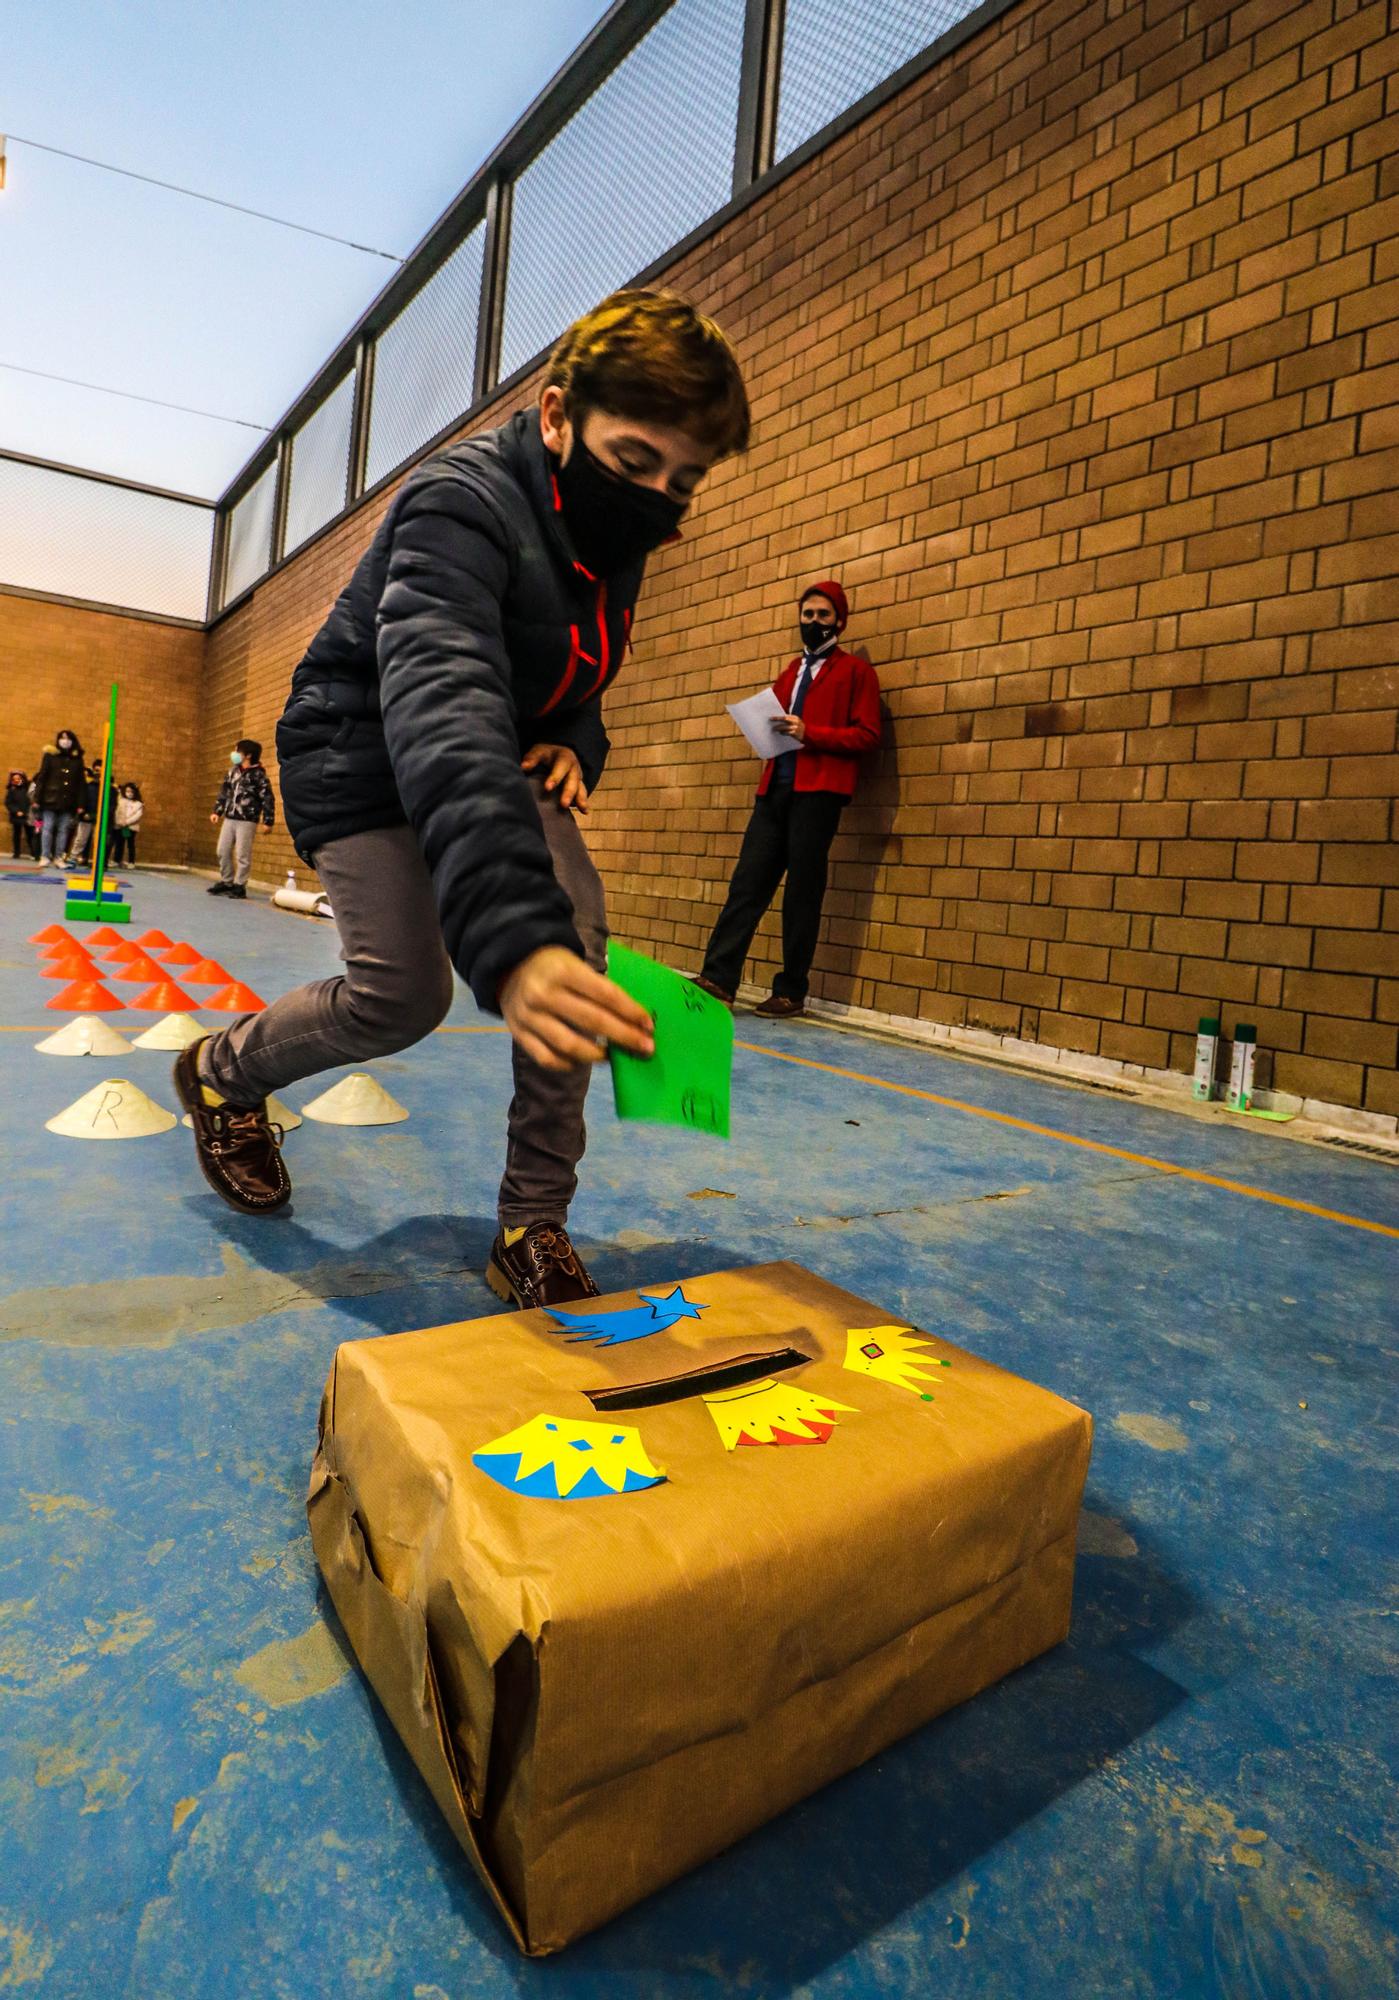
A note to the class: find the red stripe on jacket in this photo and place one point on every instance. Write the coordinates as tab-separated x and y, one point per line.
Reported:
843	723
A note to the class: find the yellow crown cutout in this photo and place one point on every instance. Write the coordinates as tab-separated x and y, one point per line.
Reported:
769	1412
893	1354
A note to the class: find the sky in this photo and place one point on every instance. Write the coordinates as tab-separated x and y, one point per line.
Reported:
361	119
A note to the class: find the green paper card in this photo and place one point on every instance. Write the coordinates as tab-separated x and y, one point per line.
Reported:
688	1080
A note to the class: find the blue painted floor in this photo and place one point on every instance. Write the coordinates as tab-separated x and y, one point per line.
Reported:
1193	1796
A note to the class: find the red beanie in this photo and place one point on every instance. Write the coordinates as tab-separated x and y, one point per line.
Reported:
828	587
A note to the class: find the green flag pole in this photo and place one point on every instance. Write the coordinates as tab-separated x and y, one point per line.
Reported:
104	806
85	902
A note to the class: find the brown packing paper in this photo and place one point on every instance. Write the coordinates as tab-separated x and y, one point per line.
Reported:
604	1692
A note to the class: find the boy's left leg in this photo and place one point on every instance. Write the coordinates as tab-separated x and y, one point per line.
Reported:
532	1261
243	831
810	831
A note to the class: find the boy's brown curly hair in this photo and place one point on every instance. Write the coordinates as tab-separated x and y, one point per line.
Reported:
653	356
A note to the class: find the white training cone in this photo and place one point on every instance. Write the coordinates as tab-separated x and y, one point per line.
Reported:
355	1100
277	1114
115	1109
176	1031
89	1035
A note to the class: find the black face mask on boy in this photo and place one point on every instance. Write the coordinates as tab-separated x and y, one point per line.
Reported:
612	520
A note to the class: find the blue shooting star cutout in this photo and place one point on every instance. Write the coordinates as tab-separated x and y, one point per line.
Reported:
611	1329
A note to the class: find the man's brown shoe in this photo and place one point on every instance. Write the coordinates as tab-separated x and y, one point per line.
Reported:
716	992
777	1007
240	1154
540	1268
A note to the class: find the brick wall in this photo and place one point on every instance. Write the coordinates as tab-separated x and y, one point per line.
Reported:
1079	363
59	662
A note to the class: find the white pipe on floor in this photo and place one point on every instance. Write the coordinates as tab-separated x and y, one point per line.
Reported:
310	902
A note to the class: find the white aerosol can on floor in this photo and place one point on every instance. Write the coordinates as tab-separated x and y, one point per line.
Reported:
1240	1096
1203	1084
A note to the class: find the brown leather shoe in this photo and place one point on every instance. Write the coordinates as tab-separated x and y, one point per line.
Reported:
717	992
777	1007
240	1154
541	1268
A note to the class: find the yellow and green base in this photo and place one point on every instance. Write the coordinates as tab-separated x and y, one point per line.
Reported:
86	904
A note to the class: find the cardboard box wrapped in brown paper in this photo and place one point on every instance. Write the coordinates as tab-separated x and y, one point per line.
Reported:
604	1690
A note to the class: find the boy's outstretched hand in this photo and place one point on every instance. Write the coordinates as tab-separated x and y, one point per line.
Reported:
562	1013
564	773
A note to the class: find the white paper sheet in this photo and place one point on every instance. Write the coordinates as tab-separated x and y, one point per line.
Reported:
757	717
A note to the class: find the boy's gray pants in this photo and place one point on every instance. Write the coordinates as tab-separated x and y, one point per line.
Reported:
396	988
236	850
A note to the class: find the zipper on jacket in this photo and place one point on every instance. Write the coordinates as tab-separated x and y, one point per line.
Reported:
604	643
569	671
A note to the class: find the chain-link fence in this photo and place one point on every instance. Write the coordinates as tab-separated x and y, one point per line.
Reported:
319	472
666	111
71	535
645	160
425	361
834	52
249	544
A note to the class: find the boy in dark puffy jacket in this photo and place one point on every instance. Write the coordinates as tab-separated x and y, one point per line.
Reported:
245	797
443	722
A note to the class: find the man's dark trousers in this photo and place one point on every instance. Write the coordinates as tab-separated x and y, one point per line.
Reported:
790	833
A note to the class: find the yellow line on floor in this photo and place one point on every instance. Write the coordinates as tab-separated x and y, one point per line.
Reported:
1073	1139
996	1118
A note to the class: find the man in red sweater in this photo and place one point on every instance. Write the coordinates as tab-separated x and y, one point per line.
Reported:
832	703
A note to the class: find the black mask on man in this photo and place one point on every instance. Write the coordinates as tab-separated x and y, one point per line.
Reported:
612	520
815	634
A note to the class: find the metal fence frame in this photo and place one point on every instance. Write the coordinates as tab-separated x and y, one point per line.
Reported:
486	201
126	485
486	198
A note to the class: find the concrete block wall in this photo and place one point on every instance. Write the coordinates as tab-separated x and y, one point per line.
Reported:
57	665
1078	361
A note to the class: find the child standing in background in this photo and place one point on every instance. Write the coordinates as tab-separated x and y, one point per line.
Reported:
17	805
245	797
58	792
130	812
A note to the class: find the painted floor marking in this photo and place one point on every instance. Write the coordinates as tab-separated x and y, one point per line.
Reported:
1073	1139
996	1118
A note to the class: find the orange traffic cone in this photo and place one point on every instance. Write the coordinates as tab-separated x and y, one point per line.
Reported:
235	998
208	972
69	968
86	996
52	934
105	936
153	940
179	954
65	948
122	952
142	968
165	998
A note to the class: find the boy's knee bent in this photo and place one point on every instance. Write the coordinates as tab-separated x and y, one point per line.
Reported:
395	1015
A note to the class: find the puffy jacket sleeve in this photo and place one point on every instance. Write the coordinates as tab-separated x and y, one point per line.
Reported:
221	802
450	725
863	731
266	803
